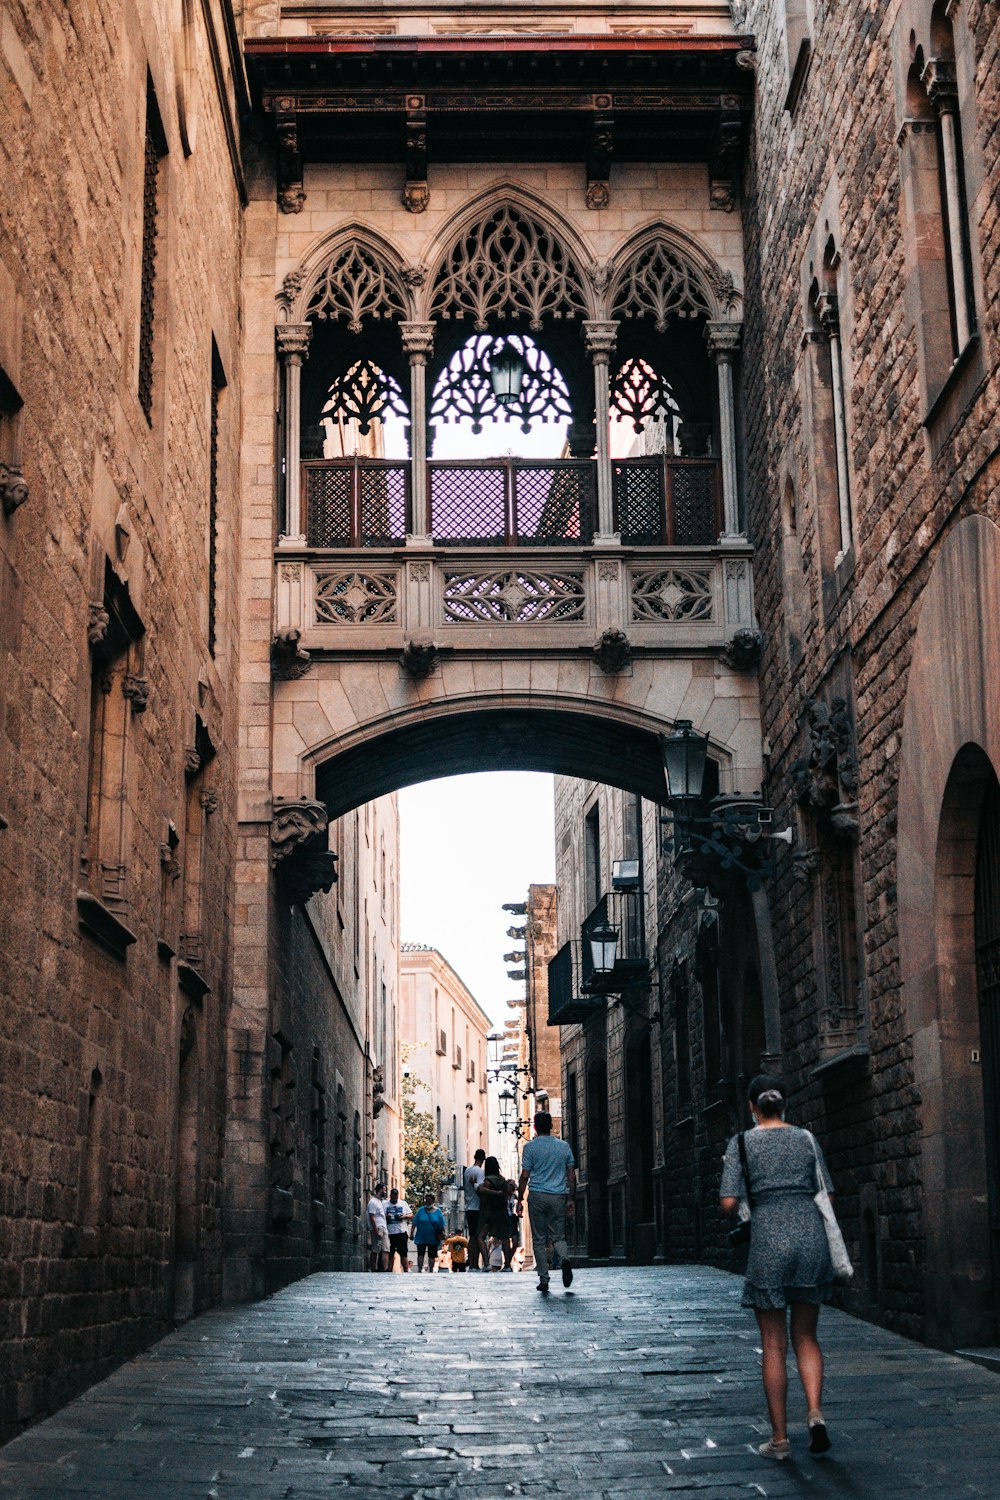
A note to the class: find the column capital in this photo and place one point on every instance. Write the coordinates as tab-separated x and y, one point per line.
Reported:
723	340
293	339
418	338
941	83
601	337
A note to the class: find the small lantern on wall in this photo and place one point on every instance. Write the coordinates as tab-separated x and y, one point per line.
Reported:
603	941
684	755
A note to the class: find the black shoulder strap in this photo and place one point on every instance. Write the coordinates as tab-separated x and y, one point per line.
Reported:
741	1139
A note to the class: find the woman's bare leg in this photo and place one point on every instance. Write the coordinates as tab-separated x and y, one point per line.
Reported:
774	1337
808	1354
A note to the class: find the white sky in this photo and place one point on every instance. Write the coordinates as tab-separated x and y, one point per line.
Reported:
468	844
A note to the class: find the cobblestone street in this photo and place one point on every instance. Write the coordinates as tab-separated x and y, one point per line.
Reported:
641	1382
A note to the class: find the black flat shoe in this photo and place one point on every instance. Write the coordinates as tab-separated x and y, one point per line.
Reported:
542	1286
567	1273
819	1438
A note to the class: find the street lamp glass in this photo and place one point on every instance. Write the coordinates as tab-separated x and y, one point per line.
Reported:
684	754
603	947
506	373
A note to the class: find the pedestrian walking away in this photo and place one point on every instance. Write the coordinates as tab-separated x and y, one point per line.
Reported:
471	1178
397	1217
494	1221
549	1167
777	1169
428	1231
378	1230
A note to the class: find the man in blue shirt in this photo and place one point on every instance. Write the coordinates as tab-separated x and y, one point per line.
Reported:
548	1164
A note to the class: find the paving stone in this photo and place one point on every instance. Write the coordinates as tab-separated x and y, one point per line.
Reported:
644	1383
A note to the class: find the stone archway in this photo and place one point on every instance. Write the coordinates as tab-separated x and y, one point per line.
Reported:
950	749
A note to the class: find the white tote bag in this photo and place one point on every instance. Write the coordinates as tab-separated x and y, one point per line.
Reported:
841	1261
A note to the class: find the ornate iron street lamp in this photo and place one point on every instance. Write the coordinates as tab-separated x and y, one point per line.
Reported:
736	832
506	372
603	941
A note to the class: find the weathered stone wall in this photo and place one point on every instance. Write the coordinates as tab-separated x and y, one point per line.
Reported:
111	1188
835	165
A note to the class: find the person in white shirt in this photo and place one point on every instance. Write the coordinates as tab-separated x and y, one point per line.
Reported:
378	1230
471	1180
397	1218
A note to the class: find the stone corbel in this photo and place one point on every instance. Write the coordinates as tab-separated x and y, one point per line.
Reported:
600	149
13	487
743	650
416	193
136	690
289	659
300	859
941	82
418	658
613	652
98	621
291	194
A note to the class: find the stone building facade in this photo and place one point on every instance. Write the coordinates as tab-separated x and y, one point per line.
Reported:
867	974
444	1029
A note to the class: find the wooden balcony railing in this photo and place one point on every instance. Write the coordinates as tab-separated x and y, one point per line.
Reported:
512	502
673	502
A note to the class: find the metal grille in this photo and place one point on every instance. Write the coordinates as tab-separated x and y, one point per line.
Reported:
622	910
328	505
147	282
383	493
638	490
694	489
468	504
554	503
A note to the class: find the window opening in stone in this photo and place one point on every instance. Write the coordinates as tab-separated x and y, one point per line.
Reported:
154	148
218	384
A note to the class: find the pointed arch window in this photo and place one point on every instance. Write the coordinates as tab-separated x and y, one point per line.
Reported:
507	266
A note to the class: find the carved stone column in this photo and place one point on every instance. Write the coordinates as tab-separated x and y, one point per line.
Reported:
723	340
828	312
942	89
418	345
601	338
293	346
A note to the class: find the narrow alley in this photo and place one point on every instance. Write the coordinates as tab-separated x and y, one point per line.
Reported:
639	1382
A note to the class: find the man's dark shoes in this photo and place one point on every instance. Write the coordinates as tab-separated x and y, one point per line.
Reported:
567	1273
542	1286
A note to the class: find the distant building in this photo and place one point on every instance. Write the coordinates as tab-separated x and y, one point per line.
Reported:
444	1029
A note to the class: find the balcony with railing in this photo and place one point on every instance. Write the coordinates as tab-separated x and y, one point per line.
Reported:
394	527
578	987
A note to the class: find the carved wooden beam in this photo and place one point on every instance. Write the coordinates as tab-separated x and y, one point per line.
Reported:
291	194
416	193
600	148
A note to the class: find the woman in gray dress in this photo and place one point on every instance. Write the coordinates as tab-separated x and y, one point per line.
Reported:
789	1261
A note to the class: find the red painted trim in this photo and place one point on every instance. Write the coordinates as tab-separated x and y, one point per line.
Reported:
308	46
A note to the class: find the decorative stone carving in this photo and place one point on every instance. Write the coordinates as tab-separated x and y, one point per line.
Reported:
613	651
674	594
293	340
601	336
657	284
357	284
291	194
464	391
723	339
826	779
192	761
420	572
13	487
599	275
378	1091
607	572
743	650
136	690
169	863
507	266
290	289
747	61
365	394
600	150
418	658
517	597
98	621
415	276
299	856
805	863
416	196
355	598
289	659
209	800
417	338
723	286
